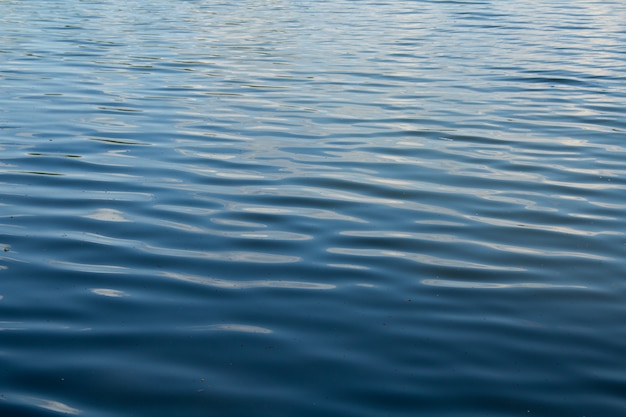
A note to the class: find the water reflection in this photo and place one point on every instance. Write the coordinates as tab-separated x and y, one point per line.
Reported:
421	259
107	292
107	215
231	327
45	404
222	283
494	285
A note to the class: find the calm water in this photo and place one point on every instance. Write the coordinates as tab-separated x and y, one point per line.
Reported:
312	208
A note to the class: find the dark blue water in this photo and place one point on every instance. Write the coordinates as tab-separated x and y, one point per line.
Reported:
312	208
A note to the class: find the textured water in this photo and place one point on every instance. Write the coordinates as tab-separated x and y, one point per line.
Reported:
312	208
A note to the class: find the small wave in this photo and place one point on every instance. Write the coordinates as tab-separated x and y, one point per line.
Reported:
222	283
107	292
493	285
46	404
230	327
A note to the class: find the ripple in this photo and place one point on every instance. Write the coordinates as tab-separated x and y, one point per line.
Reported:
107	292
443	238
45	404
98	268
221	283
231	327
421	258
107	215
229	256
493	285
11	326
300	211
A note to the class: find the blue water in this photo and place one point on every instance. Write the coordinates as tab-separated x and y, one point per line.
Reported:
312	208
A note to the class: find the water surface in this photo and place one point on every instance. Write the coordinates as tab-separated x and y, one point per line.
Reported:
281	208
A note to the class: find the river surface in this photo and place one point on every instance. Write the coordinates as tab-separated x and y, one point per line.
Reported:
312	208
